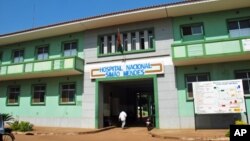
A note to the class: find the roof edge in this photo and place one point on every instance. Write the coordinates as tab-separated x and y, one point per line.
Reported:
100	16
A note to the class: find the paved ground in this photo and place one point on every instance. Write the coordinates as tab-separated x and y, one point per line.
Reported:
118	134
190	134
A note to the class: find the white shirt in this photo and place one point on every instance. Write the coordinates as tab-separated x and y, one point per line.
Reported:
122	116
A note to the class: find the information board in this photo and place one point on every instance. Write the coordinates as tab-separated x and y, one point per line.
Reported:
213	97
246	44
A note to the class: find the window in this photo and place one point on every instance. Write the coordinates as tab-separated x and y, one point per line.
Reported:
245	76
141	40
133	40
109	44
42	53
196	29
13	95
239	28
101	49
18	56
194	78
125	42
70	48
150	39
1	57
39	94
142	45
68	93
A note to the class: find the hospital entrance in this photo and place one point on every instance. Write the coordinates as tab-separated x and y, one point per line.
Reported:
135	97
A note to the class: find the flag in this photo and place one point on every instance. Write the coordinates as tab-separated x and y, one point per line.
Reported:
119	44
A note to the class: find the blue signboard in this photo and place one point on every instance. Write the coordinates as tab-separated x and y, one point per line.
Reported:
125	70
129	70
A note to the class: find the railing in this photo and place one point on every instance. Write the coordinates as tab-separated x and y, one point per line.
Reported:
214	48
46	66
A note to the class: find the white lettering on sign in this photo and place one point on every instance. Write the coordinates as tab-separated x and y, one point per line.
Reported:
240	132
125	70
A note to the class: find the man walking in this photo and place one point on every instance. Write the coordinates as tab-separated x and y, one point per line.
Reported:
122	118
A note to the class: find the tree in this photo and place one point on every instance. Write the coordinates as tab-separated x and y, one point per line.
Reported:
7	117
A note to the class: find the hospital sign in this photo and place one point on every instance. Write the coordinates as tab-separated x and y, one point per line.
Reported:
127	69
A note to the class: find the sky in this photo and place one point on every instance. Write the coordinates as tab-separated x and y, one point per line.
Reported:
18	15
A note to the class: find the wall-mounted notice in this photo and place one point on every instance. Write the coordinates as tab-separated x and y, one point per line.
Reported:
212	97
246	44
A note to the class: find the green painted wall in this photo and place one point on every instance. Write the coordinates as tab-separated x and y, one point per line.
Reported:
52	108
219	71
55	47
215	24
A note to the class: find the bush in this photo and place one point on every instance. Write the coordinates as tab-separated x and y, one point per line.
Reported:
22	126
240	122
25	126
14	126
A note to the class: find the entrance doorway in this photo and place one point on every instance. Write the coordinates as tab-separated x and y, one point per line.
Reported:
135	97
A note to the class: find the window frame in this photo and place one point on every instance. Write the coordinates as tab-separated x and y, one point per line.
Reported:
66	42
13	55
133	41
8	95
33	94
186	83
129	38
192	25
109	44
141	37
1	57
125	42
248	71
236	19
60	97
42	46
153	39
101	44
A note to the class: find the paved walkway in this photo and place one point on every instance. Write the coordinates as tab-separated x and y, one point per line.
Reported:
190	134
168	134
61	131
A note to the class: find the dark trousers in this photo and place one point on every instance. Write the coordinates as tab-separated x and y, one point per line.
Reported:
1	137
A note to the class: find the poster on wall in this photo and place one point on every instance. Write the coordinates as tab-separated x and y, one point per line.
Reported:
246	44
218	97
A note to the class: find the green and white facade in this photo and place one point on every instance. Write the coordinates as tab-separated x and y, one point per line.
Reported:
209	47
72	74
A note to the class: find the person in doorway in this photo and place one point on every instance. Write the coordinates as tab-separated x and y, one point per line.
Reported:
122	118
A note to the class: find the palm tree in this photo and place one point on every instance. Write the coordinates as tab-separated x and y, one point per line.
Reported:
7	117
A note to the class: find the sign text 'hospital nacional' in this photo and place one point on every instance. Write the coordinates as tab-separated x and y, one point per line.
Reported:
125	70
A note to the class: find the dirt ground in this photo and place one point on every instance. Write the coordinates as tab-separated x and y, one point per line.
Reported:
117	134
